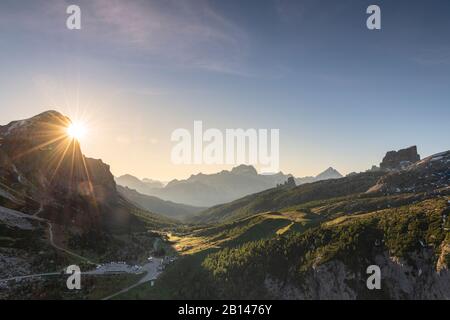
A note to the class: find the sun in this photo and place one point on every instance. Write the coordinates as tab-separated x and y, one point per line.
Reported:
76	130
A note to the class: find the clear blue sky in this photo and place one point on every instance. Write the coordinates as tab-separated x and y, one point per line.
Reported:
340	94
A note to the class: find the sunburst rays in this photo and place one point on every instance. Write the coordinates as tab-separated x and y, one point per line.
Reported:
59	152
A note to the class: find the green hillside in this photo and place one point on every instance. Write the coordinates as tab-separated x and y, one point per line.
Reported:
229	234
279	198
355	241
415	235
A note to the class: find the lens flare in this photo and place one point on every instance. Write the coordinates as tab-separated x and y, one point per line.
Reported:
76	131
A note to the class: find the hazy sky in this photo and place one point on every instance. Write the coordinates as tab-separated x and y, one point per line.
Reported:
340	94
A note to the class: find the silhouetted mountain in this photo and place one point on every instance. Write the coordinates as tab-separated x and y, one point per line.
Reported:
206	190
42	167
154	183
330	173
162	207
144	186
210	189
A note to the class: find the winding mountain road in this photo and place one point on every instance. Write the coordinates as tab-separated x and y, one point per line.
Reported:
18	218
54	245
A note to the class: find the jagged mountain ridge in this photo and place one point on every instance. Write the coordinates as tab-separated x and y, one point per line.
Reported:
206	190
144	186
329	173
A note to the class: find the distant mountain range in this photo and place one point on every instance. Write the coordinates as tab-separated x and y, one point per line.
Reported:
153	204
145	186
330	173
206	190
276	198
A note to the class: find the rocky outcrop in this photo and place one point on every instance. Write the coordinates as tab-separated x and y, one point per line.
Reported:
432	174
397	160
412	278
103	184
329	281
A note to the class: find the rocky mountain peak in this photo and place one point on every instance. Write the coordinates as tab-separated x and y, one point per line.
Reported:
49	115
329	173
39	157
39	127
244	169
431	175
398	160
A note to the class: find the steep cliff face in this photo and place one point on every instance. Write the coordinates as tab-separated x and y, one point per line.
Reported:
414	278
42	163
